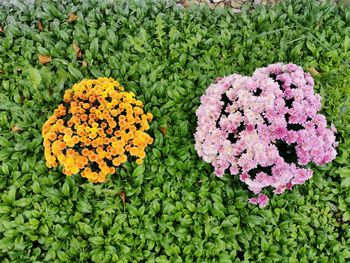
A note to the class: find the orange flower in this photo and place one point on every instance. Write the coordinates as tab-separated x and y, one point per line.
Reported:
112	124
149	116
60	122
84	117
116	162
51	136
93	157
88	130
114	112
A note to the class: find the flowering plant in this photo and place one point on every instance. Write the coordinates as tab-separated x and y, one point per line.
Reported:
96	129
265	128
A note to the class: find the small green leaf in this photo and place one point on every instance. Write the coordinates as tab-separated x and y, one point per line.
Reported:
23	202
85	228
84	206
5	169
345	182
75	72
36	187
346	43
94	46
97	241
65	189
34	77
254	220
62	256
139	170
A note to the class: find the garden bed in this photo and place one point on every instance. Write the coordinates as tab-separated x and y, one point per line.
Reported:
172	208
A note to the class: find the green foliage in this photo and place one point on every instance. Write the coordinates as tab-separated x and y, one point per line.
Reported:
176	210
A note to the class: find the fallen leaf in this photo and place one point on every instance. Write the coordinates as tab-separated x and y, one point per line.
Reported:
162	130
72	17
186	3
43	59
16	129
77	50
1	29
122	196
313	71
84	64
40	26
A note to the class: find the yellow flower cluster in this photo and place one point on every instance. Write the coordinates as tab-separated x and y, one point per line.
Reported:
98	126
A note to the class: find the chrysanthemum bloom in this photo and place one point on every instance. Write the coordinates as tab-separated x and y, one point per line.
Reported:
98	127
265	128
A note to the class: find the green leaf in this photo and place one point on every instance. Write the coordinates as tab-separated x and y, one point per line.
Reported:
6	243
36	187
84	206
97	241
65	189
343	172
62	256
12	194
311	46
346	43
34	77
5	169
85	228
345	182
254	220
94	46
23	202
75	72
139	170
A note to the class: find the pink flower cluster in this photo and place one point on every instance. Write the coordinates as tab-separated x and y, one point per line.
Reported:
264	128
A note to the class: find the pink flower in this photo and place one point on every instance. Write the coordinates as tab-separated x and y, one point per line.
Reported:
333	128
244	177
256	124
280	132
262	200
253	200
250	127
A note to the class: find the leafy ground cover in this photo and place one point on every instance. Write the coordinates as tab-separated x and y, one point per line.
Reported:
172	208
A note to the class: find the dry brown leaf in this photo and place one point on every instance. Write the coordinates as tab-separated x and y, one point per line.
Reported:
16	129
72	17
313	71
77	50
40	26
84	64
122	196
186	3
43	59
1	29
162	130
